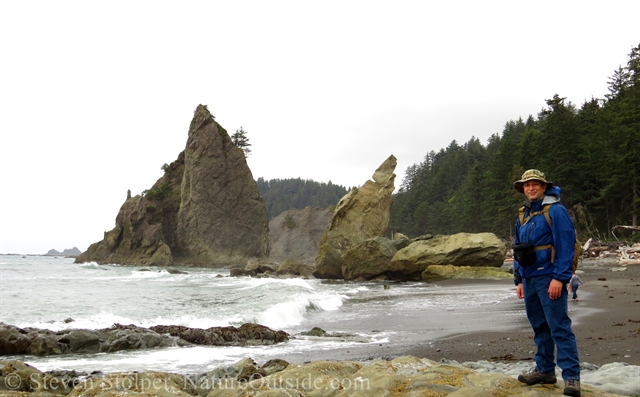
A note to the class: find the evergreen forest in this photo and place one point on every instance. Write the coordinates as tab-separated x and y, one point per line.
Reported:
592	153
280	195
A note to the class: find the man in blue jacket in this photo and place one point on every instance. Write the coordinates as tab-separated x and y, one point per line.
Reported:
541	274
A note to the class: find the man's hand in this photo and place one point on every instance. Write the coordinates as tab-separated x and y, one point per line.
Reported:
555	289
520	291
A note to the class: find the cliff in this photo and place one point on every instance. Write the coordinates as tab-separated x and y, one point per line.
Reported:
361	214
295	234
205	210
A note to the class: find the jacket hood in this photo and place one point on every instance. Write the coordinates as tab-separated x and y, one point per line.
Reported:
551	195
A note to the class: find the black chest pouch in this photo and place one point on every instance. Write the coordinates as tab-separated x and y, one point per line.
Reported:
525	254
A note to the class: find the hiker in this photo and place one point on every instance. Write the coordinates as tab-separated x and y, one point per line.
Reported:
574	283
542	267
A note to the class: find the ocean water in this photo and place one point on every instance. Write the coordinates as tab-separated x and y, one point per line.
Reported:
373	317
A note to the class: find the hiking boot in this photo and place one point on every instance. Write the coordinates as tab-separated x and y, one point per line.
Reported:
572	388
534	377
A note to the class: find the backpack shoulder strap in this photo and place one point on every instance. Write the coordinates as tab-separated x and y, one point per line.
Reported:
524	219
545	211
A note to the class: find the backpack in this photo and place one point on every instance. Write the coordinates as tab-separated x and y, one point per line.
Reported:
545	211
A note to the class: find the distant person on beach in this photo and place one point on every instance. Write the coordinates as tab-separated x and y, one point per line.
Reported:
542	268
575	282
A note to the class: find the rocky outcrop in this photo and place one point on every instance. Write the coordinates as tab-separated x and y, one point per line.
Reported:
402	376
42	342
361	214
436	273
462	249
247	334
407	260
291	267
67	252
21	379
296	234
222	217
138	237
205	210
288	268
368	260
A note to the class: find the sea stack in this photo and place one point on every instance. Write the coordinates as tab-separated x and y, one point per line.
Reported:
205	210
361	214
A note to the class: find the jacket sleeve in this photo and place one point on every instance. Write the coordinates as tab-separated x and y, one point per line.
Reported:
517	276
564	239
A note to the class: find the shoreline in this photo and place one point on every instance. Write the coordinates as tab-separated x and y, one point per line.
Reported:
463	355
606	321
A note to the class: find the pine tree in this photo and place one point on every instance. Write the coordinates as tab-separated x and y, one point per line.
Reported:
240	140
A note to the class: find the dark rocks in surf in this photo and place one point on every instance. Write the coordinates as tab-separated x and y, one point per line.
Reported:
247	335
42	342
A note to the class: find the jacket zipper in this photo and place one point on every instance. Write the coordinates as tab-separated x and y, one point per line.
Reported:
533	224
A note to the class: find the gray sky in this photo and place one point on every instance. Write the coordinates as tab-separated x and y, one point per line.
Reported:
95	96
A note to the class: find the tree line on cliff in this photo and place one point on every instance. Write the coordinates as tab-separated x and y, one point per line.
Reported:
591	152
280	195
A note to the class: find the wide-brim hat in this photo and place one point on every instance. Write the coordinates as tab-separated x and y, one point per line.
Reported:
528	176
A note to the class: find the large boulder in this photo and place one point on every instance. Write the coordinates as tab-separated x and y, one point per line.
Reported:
295	234
20	379
368	260
361	214
13	340
291	267
205	210
436	273
462	249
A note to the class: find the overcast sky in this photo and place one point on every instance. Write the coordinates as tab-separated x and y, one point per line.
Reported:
95	96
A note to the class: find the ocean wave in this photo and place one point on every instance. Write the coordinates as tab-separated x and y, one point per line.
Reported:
93	266
261	282
292	312
140	273
98	321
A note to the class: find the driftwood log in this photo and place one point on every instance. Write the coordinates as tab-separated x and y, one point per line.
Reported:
626	255
623	227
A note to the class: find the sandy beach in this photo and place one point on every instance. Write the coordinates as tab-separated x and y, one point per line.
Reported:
606	323
606	320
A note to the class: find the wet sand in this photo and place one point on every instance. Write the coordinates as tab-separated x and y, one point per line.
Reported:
606	320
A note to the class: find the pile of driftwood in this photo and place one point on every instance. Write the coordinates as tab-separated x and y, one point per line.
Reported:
625	254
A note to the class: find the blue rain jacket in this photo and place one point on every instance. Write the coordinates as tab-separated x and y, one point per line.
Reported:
536	231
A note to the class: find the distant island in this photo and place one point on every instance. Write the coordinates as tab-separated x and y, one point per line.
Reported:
68	252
